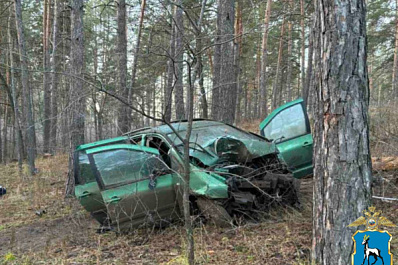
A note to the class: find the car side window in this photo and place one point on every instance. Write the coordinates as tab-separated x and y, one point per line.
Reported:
122	166
287	124
85	171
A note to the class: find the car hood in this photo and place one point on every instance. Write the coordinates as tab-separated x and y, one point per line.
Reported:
244	149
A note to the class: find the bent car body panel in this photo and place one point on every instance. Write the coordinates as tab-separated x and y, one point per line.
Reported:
207	184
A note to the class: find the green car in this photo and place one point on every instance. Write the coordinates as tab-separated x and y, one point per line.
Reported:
136	179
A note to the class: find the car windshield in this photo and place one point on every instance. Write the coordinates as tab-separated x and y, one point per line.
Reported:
204	136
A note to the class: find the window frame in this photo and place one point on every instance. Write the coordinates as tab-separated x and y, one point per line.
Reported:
307	123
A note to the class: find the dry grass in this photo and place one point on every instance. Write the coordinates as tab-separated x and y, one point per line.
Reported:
66	234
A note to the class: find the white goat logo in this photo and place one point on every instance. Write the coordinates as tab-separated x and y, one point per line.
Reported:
375	252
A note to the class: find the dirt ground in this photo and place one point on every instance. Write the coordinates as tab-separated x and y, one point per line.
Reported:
66	234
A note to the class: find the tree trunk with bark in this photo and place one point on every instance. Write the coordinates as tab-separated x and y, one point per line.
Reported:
170	75
78	103
46	76
395	66
289	55
26	90
227	73
275	90
302	23
342	165
264	57
55	68
123	119
179	56
215	100
132	91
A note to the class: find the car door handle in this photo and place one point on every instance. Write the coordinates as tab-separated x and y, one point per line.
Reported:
85	194
115	199
306	144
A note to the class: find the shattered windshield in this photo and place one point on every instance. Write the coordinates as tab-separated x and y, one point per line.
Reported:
205	136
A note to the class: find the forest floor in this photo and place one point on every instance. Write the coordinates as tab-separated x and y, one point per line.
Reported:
66	234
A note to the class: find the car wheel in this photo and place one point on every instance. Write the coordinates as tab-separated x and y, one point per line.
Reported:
214	212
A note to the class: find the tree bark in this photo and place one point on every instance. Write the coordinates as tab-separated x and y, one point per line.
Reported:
395	66
78	104
302	23
123	119
13	99
227	73
289	56
26	91
170	75
264	57
131	91
179	55
342	165
46	76
275	90
215	100
55	67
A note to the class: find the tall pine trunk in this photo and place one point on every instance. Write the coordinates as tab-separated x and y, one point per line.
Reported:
46	76
395	66
342	165
78	100
215	100
227	73
132	91
26	90
275	90
264	61
123	118
179	56
302	23
55	67
289	55
170	75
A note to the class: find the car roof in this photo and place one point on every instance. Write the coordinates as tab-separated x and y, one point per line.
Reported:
178	126
102	142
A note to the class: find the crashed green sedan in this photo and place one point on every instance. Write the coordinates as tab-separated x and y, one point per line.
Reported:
136	179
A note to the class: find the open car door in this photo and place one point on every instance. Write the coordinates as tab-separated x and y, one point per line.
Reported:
288	126
136	185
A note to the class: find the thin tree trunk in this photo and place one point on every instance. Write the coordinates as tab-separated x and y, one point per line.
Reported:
179	86
46	76
309	76
187	170
132	92
395	66
26	91
170	75
302	23
264	61
13	100
275	92
215	100
289	56
5	131
342	164
123	119
55	67
78	106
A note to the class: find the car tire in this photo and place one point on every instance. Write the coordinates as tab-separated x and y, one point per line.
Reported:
214	212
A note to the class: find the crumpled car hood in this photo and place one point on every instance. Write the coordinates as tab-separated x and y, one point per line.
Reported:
255	148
